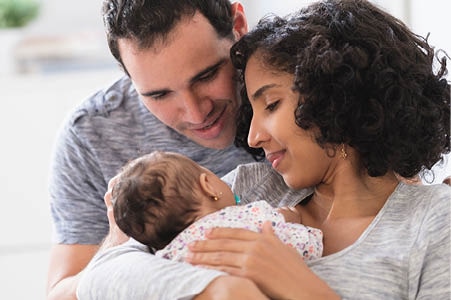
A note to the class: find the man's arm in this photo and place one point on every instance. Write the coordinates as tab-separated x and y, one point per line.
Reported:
129	271
76	187
66	262
231	287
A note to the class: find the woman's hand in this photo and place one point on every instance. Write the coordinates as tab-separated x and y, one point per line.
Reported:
277	269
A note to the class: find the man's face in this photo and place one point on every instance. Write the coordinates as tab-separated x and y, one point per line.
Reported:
187	81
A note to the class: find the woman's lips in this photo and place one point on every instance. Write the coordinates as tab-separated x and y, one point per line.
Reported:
275	158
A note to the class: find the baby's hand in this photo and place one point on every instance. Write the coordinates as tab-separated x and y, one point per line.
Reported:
291	214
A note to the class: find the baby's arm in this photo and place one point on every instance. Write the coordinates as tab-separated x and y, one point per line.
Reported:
306	240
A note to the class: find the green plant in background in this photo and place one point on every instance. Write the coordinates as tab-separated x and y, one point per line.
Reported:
17	13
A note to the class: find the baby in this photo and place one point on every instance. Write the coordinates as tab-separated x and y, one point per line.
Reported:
166	201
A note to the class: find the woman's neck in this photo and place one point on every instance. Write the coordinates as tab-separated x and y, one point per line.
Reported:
350	195
345	208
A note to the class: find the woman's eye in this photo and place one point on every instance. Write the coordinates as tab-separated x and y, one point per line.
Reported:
272	106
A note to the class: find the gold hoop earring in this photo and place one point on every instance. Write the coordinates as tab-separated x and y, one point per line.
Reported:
344	155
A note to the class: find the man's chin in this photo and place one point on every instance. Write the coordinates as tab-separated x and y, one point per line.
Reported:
218	143
215	144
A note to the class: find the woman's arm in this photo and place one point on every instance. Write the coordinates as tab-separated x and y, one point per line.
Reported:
277	269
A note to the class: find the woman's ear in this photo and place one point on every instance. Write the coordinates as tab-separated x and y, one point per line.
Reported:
205	185
239	20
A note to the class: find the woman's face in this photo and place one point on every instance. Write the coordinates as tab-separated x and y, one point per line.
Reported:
291	150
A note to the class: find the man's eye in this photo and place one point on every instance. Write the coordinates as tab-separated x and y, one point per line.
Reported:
209	76
272	106
159	96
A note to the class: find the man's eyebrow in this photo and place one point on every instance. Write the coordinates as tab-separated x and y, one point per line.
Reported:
207	70
258	93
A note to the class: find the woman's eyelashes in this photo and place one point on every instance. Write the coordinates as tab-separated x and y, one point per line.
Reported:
272	106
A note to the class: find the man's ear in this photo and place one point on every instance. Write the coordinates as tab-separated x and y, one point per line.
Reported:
205	185
239	20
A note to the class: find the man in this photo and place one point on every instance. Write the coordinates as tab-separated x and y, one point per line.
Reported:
179	95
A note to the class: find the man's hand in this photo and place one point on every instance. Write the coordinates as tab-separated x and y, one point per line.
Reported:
115	236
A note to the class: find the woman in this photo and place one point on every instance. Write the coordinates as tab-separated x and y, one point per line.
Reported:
342	97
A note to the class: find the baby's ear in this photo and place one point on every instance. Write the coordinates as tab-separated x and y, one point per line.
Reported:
205	185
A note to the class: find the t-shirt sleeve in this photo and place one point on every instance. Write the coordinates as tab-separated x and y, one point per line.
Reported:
429	272
259	181
229	178
76	189
128	271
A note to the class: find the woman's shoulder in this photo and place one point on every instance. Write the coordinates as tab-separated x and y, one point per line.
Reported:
425	195
259	181
255	169
257	174
262	167
421	202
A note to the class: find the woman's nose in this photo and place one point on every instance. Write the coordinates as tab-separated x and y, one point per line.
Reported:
256	136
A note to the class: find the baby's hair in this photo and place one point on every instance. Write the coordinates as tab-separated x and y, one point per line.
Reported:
155	197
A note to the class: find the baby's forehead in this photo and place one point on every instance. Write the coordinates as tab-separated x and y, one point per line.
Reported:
205	170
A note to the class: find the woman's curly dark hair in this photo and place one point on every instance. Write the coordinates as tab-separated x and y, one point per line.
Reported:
365	79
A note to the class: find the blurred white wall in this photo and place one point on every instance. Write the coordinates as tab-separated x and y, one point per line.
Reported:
68	16
432	17
421	16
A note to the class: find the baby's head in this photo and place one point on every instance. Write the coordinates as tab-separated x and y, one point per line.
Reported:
159	194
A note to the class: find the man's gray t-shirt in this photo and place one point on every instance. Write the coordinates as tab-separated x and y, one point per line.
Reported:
403	254
106	131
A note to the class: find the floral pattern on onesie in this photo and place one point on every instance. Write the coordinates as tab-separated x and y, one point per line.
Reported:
306	240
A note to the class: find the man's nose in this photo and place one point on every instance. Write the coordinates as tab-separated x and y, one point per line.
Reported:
195	107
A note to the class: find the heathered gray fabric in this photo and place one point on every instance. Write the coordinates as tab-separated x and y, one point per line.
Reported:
258	181
403	254
107	130
129	272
